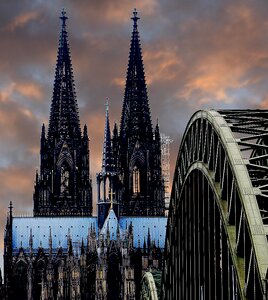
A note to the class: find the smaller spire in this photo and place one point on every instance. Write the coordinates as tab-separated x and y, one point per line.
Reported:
157	131
31	240
10	208
130	228
43	135
50	242
144	246
135	19
85	131
149	240
36	175
115	131
82	247
108	231
107	158
70	247
117	231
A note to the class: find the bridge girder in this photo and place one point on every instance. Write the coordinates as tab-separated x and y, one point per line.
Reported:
216	242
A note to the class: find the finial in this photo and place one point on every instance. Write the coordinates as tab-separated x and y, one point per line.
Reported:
85	130
107	104
43	129
63	17
135	18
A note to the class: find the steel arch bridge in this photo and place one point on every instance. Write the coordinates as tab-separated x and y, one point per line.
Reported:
216	242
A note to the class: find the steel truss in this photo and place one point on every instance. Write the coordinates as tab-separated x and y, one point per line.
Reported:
216	242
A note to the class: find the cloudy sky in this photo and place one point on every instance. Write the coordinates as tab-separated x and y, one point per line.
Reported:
197	54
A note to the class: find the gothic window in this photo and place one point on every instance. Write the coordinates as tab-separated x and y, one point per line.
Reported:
107	189
136	180
65	180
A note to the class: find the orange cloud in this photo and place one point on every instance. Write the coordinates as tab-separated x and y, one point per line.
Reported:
26	89
21	20
162	65
118	11
29	89
15	179
119	81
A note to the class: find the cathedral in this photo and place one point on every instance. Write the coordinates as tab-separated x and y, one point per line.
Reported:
63	251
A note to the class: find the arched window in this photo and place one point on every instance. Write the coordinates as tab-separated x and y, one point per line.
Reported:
65	179
136	180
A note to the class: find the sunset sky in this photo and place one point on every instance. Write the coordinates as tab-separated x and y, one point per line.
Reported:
197	54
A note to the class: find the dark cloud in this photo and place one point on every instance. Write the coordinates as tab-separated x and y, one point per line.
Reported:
197	54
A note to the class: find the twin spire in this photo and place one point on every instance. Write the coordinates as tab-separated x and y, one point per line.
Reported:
64	118
136	111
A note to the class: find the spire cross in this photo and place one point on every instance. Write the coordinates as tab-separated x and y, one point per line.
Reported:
135	18
63	17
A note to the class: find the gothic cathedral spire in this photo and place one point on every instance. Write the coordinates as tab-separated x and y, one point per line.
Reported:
136	111
64	119
139	153
63	186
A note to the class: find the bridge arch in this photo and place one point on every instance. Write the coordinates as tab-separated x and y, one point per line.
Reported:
216	242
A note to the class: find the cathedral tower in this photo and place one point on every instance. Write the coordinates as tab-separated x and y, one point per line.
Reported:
139	152
63	186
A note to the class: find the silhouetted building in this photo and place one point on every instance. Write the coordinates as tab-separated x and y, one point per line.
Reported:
63	252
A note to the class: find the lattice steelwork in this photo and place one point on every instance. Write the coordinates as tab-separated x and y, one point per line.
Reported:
216	243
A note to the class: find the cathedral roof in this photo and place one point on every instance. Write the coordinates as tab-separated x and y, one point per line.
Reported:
77	228
62	228
142	225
